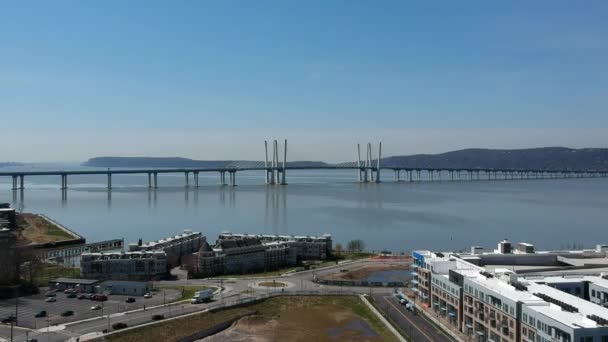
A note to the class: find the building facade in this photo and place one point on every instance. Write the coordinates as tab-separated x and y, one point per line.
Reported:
246	253
175	247
499	305
140	265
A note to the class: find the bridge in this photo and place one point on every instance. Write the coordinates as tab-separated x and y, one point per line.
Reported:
368	171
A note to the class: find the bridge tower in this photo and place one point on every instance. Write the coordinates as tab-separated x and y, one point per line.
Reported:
366	168
276	171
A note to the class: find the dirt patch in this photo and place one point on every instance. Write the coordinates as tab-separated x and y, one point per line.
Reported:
289	318
323	323
364	272
36	229
255	328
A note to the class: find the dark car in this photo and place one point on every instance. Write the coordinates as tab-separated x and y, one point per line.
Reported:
82	296
130	300
158	317
118	326
71	295
40	314
100	298
51	294
67	313
9	319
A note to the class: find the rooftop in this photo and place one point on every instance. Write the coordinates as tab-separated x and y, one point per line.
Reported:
571	319
75	281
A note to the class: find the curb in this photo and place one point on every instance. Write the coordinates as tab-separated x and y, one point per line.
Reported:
382	319
438	323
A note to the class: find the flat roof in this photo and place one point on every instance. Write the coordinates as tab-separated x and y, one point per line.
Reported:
500	287
75	281
571	319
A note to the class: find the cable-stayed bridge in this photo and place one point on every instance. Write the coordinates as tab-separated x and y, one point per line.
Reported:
368	169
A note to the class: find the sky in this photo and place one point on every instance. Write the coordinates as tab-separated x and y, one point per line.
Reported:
214	79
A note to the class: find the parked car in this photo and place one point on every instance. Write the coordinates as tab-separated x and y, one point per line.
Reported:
71	295
119	325
31	340
9	319
148	295
51	300
130	300
158	317
67	313
67	291
40	314
91	296
51	294
100	297
96	307
82	296
402	301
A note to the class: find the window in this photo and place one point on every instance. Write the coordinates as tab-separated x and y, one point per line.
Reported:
592	293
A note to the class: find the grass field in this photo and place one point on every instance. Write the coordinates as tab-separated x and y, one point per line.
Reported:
48	272
36	229
187	290
310	318
272	284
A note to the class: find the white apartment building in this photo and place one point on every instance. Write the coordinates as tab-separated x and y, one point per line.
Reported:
500	306
176	247
139	265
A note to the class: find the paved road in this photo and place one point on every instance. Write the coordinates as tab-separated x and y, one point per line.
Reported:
236	290
414	325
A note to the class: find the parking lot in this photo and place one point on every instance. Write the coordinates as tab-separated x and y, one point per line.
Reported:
29	306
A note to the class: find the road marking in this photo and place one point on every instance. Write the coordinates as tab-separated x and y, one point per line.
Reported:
409	320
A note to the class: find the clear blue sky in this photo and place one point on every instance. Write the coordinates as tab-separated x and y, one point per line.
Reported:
210	80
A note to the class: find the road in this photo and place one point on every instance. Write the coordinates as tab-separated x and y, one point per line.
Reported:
414	325
235	291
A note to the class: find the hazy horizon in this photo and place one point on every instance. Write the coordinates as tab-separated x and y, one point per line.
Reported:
207	80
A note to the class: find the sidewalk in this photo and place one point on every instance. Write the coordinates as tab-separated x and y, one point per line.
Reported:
443	324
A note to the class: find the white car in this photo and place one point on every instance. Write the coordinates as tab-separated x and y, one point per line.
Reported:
148	295
51	300
96	307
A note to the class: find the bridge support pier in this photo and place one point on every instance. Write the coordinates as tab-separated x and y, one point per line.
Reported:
109	181
232	178
64	181
21	182
222	178
14	183
187	179
155	180
149	180
195	175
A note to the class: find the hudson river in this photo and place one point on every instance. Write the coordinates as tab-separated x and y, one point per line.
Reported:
397	217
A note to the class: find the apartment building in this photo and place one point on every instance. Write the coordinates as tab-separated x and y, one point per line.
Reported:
305	247
248	253
176	247
138	265
502	306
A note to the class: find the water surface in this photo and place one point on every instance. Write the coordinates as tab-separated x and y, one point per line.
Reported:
393	216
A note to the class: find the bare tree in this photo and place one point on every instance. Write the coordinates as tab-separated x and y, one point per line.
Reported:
338	248
356	246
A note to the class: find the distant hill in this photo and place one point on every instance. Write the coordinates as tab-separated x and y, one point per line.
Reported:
176	162
6	164
545	158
